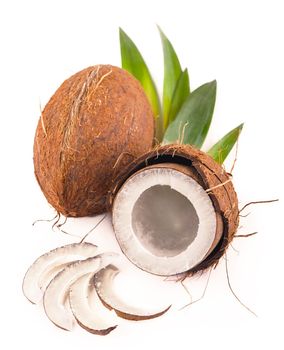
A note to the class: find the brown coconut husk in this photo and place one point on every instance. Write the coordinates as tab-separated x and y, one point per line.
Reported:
93	126
211	176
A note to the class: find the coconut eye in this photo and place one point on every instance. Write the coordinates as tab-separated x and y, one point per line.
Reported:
164	220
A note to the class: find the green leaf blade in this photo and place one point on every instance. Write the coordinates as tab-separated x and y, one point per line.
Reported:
181	92
172	72
133	62
194	118
223	147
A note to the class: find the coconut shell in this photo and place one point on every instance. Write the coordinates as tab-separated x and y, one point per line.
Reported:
93	126
210	175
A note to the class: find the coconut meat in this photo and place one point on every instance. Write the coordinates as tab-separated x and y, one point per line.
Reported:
56	293
88	309
164	220
45	268
103	281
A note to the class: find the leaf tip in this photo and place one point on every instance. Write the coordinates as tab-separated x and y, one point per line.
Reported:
121	32
162	34
239	129
213	87
159	28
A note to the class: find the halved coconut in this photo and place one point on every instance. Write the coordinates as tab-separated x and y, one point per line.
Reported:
88	309
55	296
164	220
174	210
46	267
103	281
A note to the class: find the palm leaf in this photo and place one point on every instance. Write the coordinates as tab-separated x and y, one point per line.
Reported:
172	72
192	123
222	148
181	93
133	62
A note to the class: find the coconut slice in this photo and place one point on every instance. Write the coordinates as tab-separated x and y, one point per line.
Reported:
46	267
55	296
164	220
103	281
88	309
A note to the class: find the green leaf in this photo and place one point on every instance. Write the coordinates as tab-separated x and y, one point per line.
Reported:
194	118
181	93
133	62
172	72
223	147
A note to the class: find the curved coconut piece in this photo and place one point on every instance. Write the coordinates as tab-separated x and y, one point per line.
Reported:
191	172
88	309
87	132
103	281
54	299
46	267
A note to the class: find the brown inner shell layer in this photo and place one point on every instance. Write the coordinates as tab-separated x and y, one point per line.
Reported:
211	176
96	122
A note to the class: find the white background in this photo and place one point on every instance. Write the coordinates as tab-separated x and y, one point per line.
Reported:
240	43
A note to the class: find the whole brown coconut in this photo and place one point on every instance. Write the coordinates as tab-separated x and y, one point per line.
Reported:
209	175
96	122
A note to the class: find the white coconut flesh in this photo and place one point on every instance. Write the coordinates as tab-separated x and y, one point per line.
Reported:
164	221
104	285
56	293
88	308
46	267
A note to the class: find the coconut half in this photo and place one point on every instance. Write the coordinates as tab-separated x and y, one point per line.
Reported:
55	296
88	309
174	210
164	220
46	267
103	281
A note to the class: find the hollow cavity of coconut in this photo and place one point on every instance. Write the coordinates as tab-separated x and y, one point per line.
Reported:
96	122
174	211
